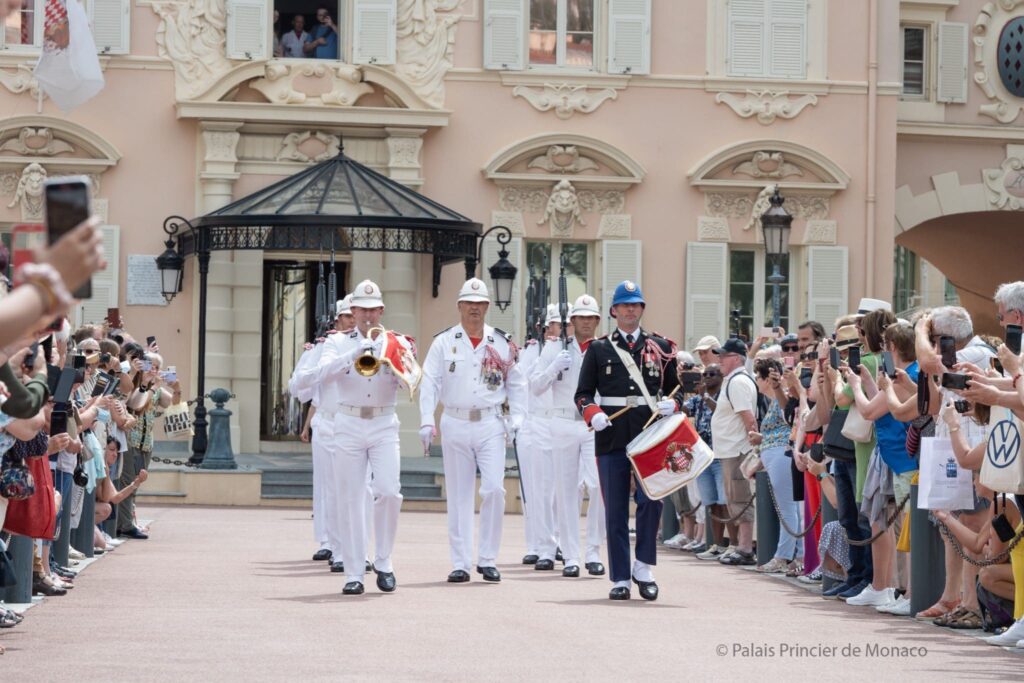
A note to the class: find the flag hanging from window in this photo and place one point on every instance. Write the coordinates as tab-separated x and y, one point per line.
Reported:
68	70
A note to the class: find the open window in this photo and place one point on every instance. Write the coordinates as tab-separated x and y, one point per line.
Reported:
309	29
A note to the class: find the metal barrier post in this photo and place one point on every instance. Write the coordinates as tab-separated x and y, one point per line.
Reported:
82	538
767	520
21	548
59	549
669	521
927	559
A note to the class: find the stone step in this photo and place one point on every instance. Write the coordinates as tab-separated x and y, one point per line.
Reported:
162	494
286	490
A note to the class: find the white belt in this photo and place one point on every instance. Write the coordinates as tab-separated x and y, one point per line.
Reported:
365	412
471	414
539	413
566	414
622	401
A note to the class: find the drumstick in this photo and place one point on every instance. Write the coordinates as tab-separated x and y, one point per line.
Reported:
654	415
612	416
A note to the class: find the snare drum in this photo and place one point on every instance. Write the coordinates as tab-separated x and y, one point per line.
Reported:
668	455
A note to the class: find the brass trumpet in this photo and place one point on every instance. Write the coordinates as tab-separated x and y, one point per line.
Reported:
367	364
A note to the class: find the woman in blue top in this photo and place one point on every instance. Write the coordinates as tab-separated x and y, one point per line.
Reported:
775	434
889	459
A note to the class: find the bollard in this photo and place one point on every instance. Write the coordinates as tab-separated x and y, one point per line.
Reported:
828	514
669	521
82	537
219	455
61	544
709	531
927	558
767	520
21	548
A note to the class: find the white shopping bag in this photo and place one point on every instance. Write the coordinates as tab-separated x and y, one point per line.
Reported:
68	70
1003	467
943	484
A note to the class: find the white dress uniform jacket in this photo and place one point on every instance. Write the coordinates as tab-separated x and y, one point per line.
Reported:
303	386
536	470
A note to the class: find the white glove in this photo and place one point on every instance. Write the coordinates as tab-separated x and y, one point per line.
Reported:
600	421
426	437
562	362
666	407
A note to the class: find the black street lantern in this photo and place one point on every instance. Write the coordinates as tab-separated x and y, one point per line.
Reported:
170	263
775	224
503	272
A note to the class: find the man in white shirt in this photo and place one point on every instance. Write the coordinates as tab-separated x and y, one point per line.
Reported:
734	433
292	41
471	368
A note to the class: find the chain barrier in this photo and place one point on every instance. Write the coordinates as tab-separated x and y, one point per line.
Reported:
889	521
998	559
739	514
782	521
176	463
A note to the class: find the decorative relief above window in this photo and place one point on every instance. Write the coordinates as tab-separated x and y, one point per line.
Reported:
1004	186
999	59
767	105
564	98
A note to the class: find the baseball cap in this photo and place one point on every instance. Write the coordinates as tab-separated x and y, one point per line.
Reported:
708	343
732	345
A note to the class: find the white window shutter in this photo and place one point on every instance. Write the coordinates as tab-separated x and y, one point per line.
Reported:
952	86
375	23
111	25
104	282
827	278
629	36
247	30
508	320
787	49
747	28
707	291
620	260
504	42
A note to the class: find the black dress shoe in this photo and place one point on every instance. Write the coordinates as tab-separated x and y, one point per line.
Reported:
530	559
618	593
558	555
571	571
544	565
458	576
40	587
135	533
321	555
337	566
352	588
490	573
648	589
595	568
369	567
386	581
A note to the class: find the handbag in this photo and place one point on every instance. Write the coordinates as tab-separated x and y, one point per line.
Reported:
751	464
856	428
36	516
943	484
921	426
16	482
836	445
178	422
1002	470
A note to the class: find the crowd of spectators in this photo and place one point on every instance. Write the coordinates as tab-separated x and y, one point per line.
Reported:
851	419
77	413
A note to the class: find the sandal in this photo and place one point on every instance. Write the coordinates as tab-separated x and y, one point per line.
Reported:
968	620
7	620
938	609
796	568
949	617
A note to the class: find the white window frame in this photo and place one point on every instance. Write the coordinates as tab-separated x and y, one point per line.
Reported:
762	294
556	252
38	21
560	33
926	70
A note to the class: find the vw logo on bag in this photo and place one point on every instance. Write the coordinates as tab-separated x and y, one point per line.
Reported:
1003	444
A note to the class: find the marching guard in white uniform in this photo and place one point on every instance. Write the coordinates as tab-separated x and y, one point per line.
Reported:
575	462
536	471
366	434
471	368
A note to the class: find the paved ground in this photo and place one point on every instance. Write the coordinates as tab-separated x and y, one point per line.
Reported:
222	594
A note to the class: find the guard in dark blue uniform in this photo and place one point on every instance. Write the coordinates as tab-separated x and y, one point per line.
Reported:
611	367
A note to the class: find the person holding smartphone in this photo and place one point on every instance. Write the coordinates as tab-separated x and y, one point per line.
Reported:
323	41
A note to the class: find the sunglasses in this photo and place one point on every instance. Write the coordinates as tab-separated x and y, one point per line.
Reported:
711	374
791	348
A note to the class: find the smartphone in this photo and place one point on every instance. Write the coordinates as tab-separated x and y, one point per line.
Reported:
690	380
126	367
67	205
955	380
114	318
1013	338
1004	530
102	383
171	374
947	347
150	341
769	332
888	367
789	362
30	358
58	421
147	365
78	361
853	358
962	406
833	357
997	366
806	375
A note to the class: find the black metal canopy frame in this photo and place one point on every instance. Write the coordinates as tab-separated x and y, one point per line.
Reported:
338	203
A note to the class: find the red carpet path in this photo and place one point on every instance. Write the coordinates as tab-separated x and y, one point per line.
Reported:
229	594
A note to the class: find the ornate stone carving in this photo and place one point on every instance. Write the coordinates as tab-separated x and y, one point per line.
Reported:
820	232
808	206
768	165
562	210
742	205
986	56
36	142
345	80
761	204
522	199
728	204
425	40
28	191
767	105
602	201
566	99
20	80
513	220
615	226
404	152
191	35
563	159
1004	186
220	142
713	229
293	141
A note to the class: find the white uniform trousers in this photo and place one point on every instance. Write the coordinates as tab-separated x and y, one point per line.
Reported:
537	475
467	446
323	493
367	444
573	455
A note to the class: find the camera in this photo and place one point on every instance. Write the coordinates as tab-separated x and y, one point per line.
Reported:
79	476
962	406
690	380
105	358
955	380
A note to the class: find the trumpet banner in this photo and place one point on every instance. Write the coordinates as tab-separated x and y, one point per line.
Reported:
402	361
